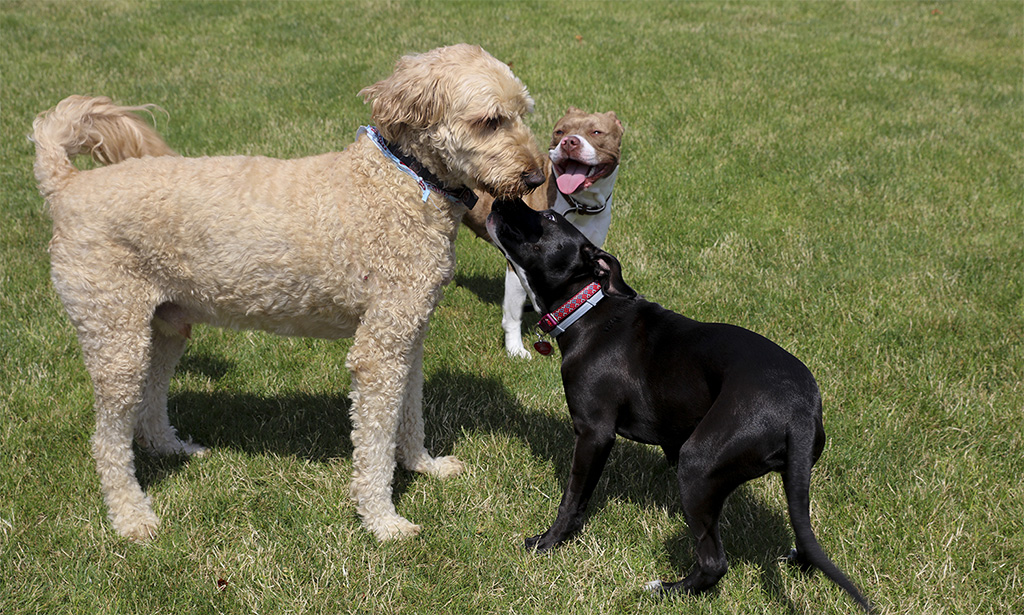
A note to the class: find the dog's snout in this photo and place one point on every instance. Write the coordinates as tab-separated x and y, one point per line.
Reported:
533	178
571	143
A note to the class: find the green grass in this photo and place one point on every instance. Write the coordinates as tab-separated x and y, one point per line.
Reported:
845	178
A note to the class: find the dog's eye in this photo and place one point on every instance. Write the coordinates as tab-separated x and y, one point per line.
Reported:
596	133
559	133
547	214
492	123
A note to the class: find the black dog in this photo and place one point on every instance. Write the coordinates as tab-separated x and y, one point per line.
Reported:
725	404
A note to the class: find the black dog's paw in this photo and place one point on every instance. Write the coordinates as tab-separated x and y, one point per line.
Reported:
793	558
538	544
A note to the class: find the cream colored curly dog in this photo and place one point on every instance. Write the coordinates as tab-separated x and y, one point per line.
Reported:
337	245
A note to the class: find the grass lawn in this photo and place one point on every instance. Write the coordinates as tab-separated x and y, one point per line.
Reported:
844	178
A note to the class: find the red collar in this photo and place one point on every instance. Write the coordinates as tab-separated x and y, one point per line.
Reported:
558	321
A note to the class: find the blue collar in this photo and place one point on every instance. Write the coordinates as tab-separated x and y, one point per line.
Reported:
414	169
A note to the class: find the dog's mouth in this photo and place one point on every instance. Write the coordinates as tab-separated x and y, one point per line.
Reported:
527	182
574	176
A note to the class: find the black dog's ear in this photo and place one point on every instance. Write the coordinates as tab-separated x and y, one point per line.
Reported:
608	272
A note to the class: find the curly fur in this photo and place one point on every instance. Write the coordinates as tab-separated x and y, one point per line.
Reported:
335	245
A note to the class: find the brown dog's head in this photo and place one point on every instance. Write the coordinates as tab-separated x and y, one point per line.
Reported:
585	148
459	111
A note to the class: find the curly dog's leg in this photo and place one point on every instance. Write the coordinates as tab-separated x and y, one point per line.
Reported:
116	348
411	450
379	362
154	430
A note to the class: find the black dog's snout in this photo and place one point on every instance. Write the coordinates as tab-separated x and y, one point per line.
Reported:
516	218
508	206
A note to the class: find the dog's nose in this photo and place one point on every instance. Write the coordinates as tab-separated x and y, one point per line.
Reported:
571	143
534	178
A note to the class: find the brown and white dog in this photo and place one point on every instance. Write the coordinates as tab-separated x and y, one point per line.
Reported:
584	157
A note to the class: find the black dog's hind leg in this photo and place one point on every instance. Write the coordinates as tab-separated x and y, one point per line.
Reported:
713	462
588	459
703	500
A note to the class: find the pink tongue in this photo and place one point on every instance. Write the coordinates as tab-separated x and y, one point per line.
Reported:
570	181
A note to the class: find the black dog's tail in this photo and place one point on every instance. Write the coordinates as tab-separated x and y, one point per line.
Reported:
797	481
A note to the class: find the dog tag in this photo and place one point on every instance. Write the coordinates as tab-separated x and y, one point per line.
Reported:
542	347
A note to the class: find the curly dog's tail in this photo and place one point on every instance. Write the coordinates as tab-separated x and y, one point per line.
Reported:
110	133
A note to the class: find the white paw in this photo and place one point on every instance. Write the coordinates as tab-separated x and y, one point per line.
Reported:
438	467
174	446
445	467
392	527
517	350
194	450
138	525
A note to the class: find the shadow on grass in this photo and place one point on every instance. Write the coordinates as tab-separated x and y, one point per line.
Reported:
317	427
309	426
488	288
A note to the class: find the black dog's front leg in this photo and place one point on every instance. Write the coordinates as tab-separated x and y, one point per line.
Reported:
588	459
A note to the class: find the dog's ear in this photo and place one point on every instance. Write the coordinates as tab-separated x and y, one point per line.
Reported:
410	97
618	123
394	106
607	271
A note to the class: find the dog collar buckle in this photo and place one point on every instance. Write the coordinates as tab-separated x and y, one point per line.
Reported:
547	323
555	323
